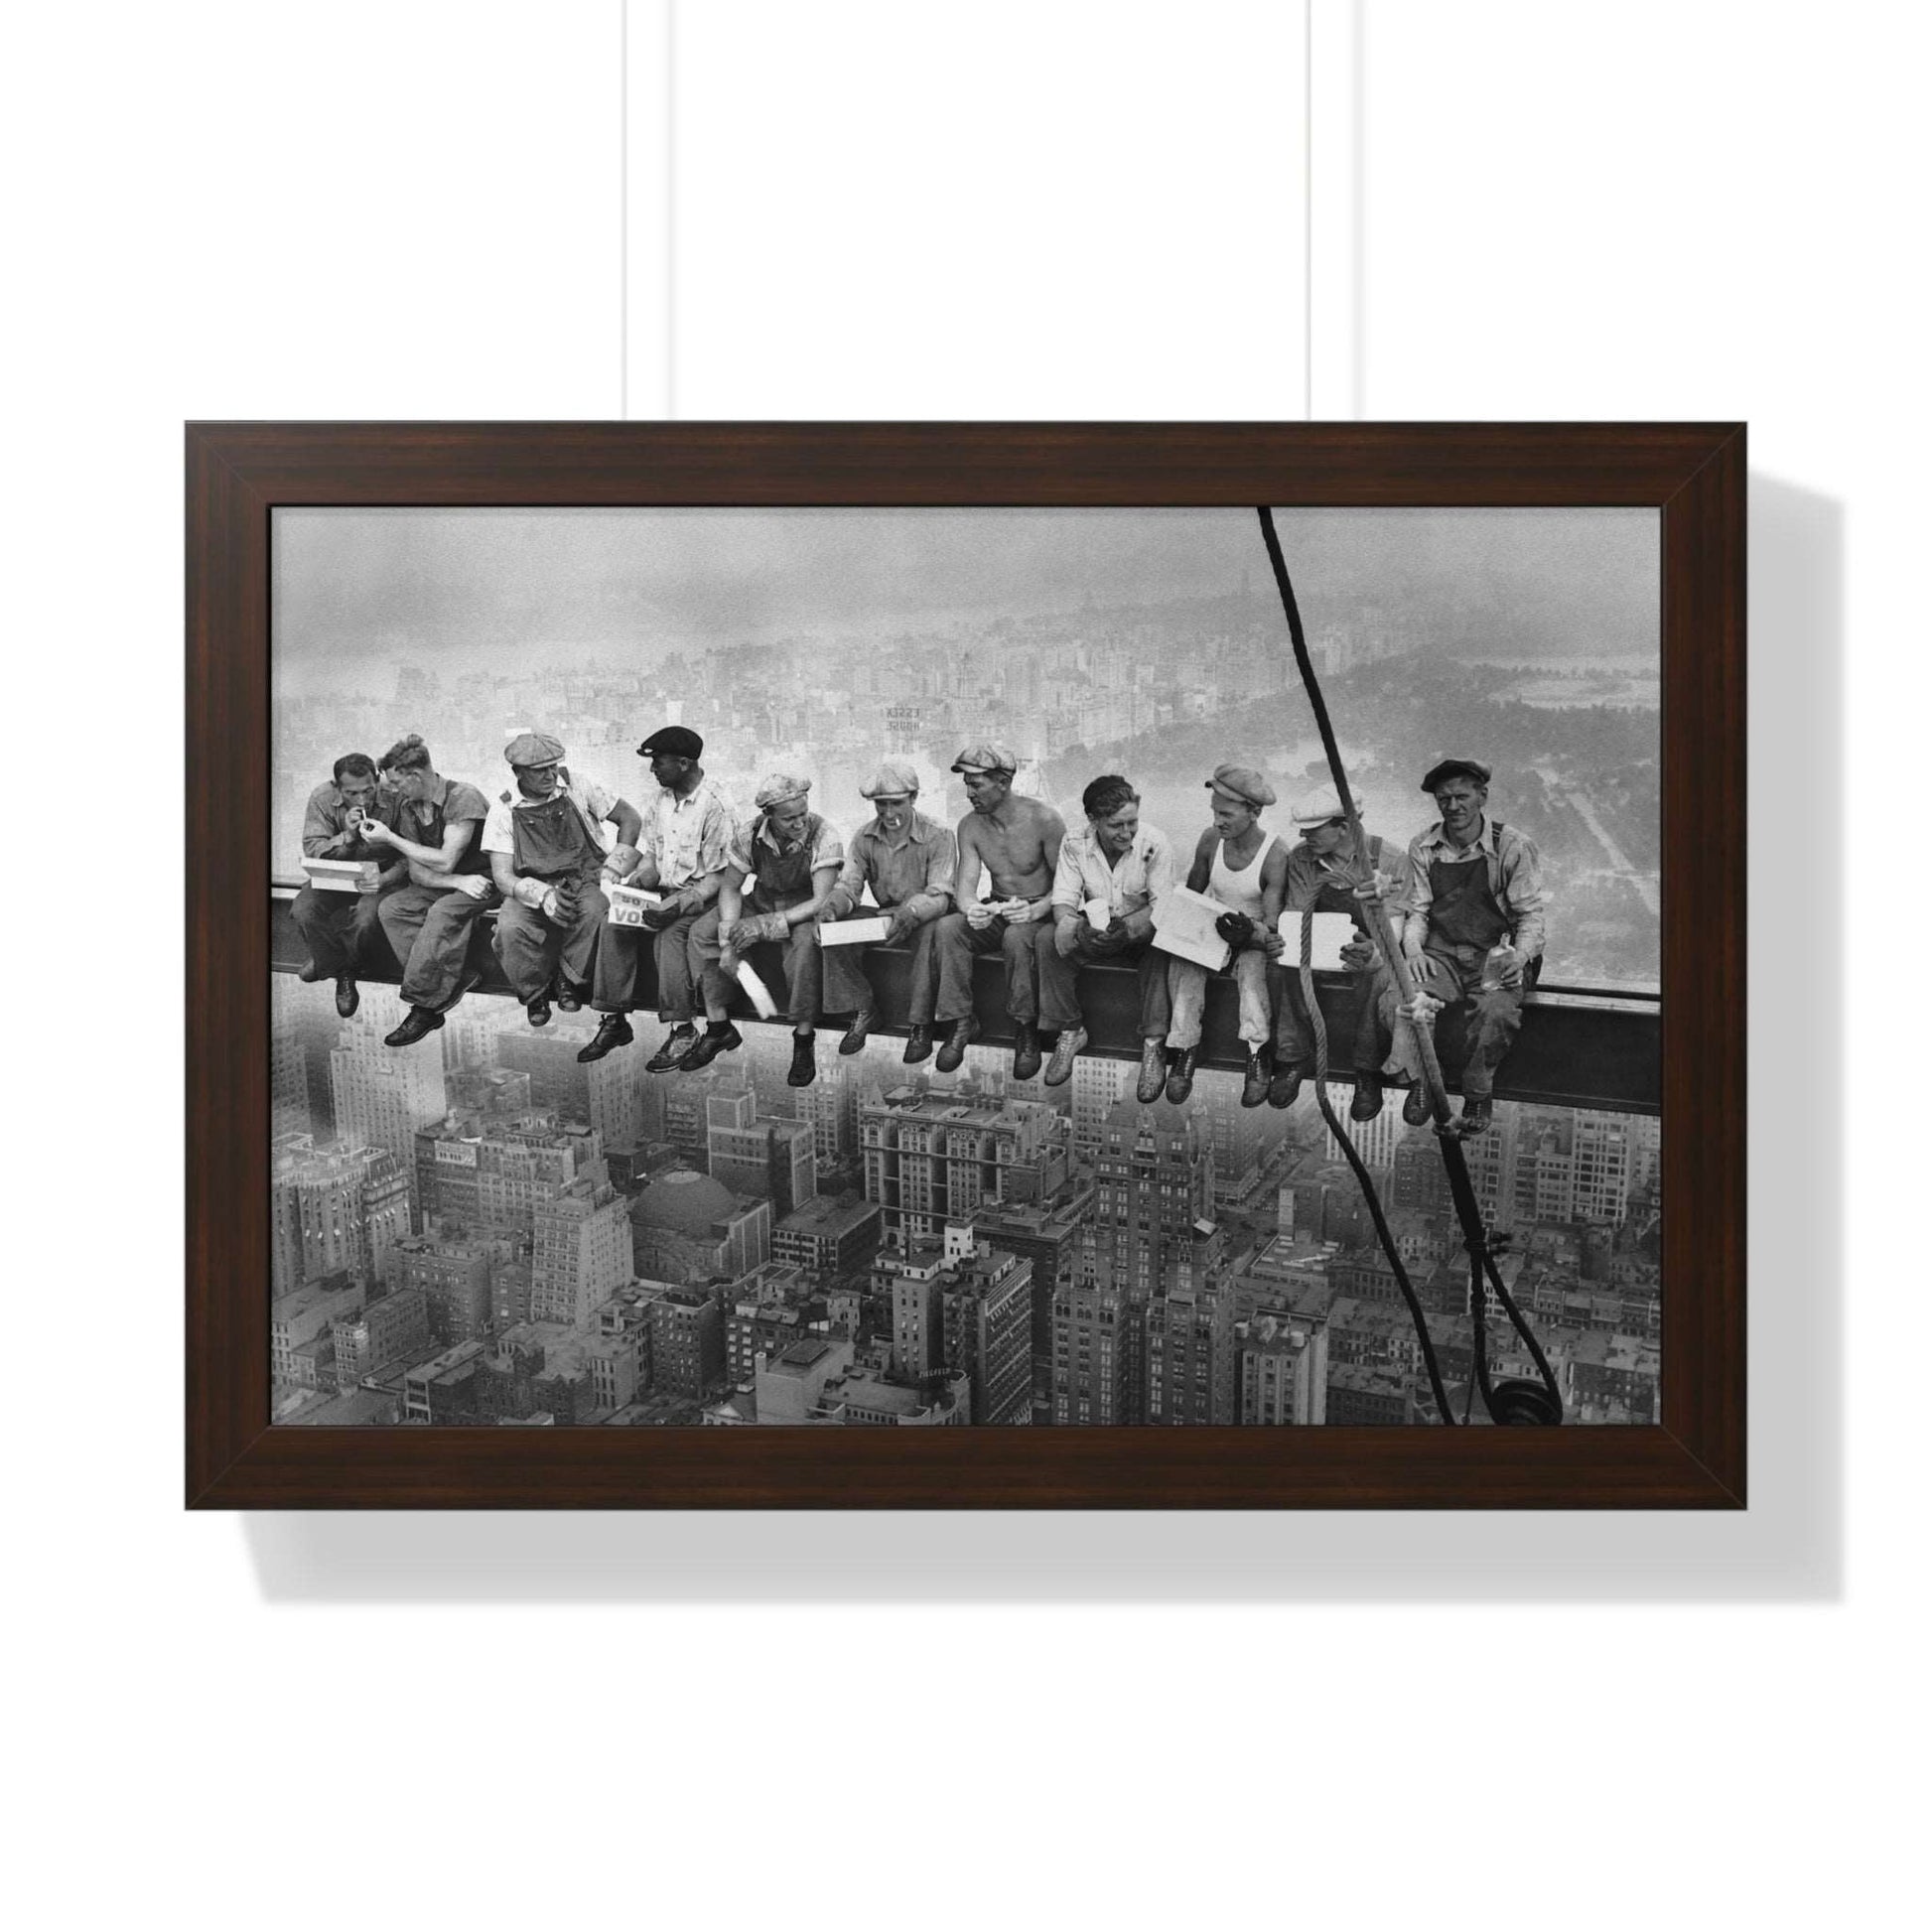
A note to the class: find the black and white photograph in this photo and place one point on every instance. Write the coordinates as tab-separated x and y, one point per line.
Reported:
980	967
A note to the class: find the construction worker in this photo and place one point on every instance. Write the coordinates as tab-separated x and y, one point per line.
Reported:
1115	861
1016	841
1322	878
546	843
430	919
789	859
340	928
908	861
1245	868
1471	929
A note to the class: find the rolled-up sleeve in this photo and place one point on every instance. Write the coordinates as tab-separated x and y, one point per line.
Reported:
1523	896
942	862
1066	878
1160	874
322	836
1417	894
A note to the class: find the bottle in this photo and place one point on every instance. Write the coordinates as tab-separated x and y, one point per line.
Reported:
1501	957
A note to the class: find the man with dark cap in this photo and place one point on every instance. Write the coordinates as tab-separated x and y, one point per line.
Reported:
339	928
1471	929
1322	878
546	842
1246	869
430	919
788	858
908	861
1016	841
683	850
1111	871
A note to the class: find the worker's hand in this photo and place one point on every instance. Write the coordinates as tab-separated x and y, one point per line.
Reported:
762	927
1106	944
1423	1007
658	917
621	861
1358	955
1273	944
472	883
1509	973
979	914
375	831
1380	886
1066	937
1425	970
1023	912
899	926
551	905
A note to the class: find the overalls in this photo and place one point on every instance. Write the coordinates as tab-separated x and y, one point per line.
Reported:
551	842
428	927
1466	920
780	880
1294	1038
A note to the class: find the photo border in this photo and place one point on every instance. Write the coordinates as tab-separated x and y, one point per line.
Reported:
1694	474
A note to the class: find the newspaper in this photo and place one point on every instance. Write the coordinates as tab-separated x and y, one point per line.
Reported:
1183	924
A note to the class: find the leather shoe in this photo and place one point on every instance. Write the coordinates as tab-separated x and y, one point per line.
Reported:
1415	1108
568	999
1180	1074
963	1033
854	1034
1261	1066
538	1010
613	1030
918	1043
1367	1102
1153	1072
1476	1111
310	974
1286	1084
708	1045
675	1045
804	1060
417	1024
1066	1049
347	997
1026	1051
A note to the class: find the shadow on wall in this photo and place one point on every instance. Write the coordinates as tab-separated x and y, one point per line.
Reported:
1787	1547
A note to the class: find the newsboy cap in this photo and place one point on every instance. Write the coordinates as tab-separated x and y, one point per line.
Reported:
780	786
1243	783
674	741
985	758
1317	808
893	780
1438	775
534	747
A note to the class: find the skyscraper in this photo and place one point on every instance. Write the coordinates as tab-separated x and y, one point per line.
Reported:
580	1251
1283	1370
339	1210
771	1159
930	1159
382	1096
1153	1185
604	1093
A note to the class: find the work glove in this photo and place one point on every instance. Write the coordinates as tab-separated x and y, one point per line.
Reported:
1236	928
759	925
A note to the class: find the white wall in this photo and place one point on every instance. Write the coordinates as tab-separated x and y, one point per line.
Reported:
418	208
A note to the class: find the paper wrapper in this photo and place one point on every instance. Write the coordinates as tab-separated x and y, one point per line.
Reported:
1183	924
756	991
341	875
1332	931
1099	915
853	933
629	903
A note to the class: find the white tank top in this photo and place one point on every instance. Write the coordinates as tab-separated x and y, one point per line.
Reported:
1240	890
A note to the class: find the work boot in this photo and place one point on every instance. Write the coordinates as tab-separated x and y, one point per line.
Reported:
1180	1074
673	1049
855	1034
1367	1102
1066	1049
310	974
719	1036
1475	1114
1154	1072
568	999
1287	1083
804	1060
418	1024
1261	1064
1026	1051
347	997
613	1031
537	1011
1415	1109
918	1043
963	1033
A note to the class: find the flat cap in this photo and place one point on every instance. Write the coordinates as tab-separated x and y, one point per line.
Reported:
1317	808
780	786
985	758
1438	775
893	780
534	747
1243	783
674	741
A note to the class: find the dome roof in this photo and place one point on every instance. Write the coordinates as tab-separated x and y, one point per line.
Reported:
684	1202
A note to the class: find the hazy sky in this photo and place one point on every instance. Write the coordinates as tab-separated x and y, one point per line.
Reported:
375	585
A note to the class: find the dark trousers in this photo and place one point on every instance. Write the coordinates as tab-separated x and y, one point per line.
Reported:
846	990
430	926
1362	1029
620	958
532	949
341	929
956	945
1496	1016
803	975
1059	1007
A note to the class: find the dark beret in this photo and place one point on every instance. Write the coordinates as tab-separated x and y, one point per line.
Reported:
674	741
1438	775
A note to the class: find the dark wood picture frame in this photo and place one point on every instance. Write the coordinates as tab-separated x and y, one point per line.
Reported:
1694	474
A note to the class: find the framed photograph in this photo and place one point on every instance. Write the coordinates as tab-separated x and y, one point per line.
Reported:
965	966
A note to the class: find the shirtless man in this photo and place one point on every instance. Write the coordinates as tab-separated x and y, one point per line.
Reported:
1016	842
